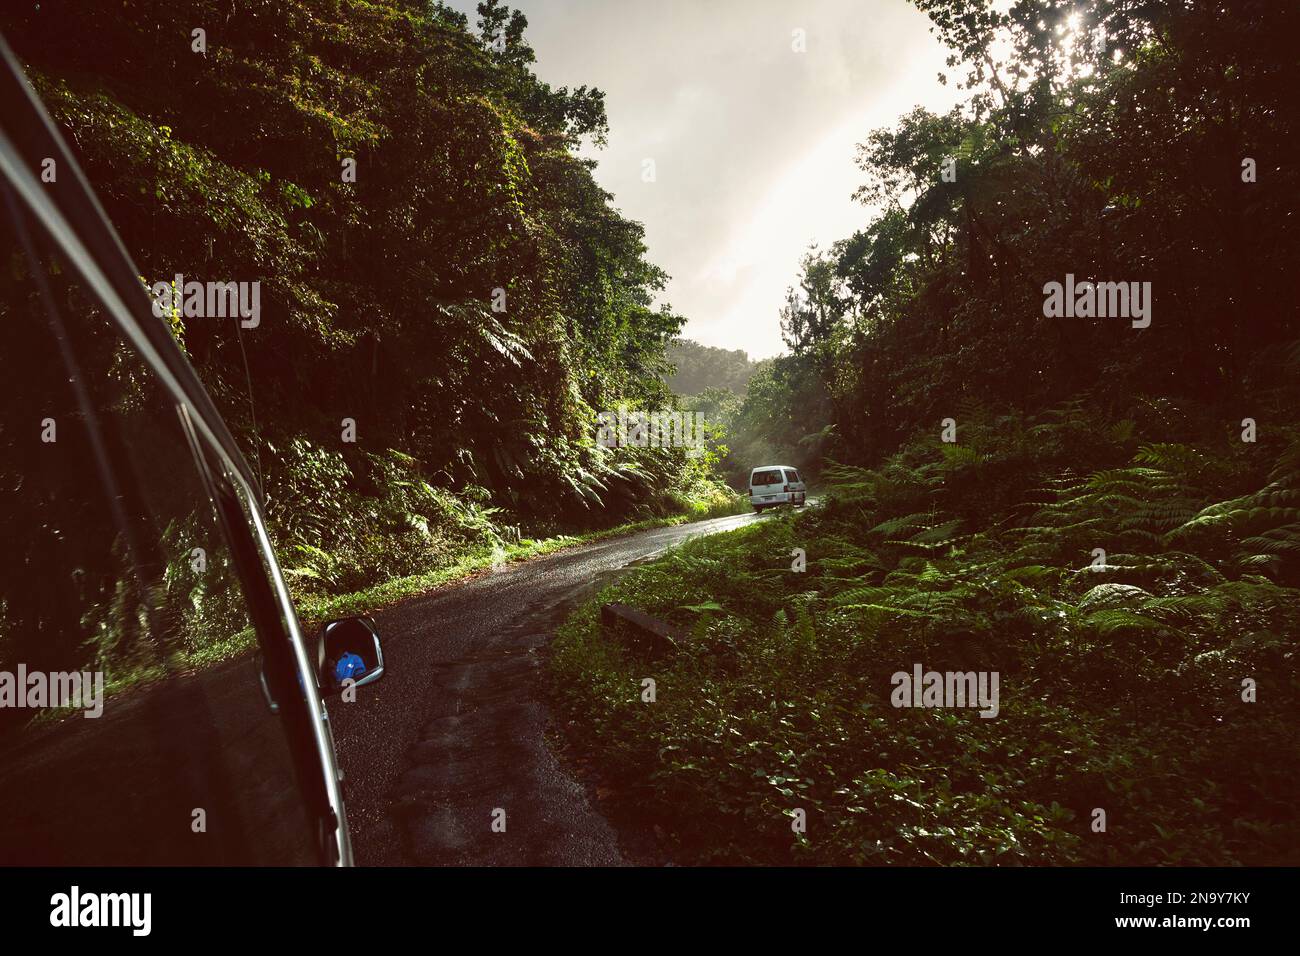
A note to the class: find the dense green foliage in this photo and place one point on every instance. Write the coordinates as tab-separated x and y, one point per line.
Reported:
1124	166
1121	684
1098	522
471	301
699	368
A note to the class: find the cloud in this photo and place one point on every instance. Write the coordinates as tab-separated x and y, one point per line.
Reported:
753	143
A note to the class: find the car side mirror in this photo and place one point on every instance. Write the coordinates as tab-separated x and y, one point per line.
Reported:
348	650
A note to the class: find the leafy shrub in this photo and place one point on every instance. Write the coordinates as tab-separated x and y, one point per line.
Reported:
1120	688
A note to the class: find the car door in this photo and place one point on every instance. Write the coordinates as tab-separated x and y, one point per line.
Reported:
143	634
133	725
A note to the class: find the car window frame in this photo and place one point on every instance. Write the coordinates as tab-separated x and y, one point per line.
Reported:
97	255
290	680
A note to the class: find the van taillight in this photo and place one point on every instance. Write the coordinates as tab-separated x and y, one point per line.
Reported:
787	488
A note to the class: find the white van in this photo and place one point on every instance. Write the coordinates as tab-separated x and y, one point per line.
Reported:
772	485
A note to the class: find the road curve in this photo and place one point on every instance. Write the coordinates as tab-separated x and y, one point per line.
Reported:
454	732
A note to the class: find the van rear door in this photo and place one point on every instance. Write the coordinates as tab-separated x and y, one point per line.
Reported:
765	484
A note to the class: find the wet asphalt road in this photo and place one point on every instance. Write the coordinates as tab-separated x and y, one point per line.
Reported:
455	729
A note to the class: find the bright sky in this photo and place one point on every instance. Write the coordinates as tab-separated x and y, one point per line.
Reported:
752	142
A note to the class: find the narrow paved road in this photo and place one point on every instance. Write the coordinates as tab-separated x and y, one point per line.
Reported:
455	730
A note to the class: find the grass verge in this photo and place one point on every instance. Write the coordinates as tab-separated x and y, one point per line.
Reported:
315	610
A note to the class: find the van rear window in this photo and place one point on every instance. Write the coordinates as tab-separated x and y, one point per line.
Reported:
767	477
791	475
